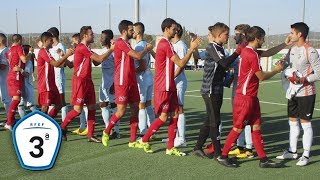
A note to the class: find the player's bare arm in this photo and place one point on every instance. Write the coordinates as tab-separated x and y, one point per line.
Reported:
276	49
182	62
142	67
140	55
267	75
62	60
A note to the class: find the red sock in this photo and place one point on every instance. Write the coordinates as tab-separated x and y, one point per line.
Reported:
172	129
232	137
12	111
53	113
258	143
91	120
157	123
70	116
133	128
210	149
113	121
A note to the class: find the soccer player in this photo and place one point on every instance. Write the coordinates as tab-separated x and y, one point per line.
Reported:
17	60
304	59
145	80
82	85
246	108
181	83
4	68
125	82
27	98
106	90
216	64
57	51
48	93
165	94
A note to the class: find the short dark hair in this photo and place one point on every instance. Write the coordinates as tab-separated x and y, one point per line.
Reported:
179	30
109	36
44	36
26	48
301	27
167	23
242	28
3	38
16	38
84	30
54	31
218	28
123	25
76	35
255	32
140	25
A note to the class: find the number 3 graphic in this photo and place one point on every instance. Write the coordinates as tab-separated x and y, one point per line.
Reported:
37	147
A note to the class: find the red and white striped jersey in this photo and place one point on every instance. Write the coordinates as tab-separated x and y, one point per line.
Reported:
82	62
123	64
249	64
164	67
46	77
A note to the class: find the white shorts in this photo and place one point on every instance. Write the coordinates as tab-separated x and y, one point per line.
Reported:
145	93
181	91
60	81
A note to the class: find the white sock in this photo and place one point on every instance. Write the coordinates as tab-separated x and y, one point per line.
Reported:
220	127
307	138
83	118
181	133
142	121
21	111
247	134
294	135
150	115
64	111
105	112
33	108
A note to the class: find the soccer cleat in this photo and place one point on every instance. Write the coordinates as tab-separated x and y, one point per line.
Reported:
114	135
288	155
269	164
199	153
303	160
105	139
235	152
94	139
83	132
76	131
245	154
64	135
175	152
134	144
8	127
146	146
225	162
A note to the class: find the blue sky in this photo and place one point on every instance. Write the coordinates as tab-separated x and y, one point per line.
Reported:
36	16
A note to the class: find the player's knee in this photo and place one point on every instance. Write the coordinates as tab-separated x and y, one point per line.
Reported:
237	129
142	105
256	127
180	109
78	108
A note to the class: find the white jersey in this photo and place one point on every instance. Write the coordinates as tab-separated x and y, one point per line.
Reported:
58	72
28	92
3	56
145	78
107	69
181	49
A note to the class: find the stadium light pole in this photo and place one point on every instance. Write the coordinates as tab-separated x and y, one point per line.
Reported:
136	11
303	10
60	20
229	19
166	8
17	24
109	15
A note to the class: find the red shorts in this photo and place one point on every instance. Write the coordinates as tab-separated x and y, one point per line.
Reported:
126	94
165	102
82	92
246	111
48	98
14	87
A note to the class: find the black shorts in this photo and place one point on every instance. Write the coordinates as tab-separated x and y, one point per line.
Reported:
301	107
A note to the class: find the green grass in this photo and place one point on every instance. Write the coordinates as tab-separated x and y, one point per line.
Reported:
80	159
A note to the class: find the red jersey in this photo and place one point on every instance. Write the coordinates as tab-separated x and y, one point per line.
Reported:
124	69
46	78
249	64
82	62
164	67
14	60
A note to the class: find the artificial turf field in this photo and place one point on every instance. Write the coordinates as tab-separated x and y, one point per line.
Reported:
79	159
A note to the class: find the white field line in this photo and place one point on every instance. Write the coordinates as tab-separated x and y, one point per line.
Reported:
263	102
